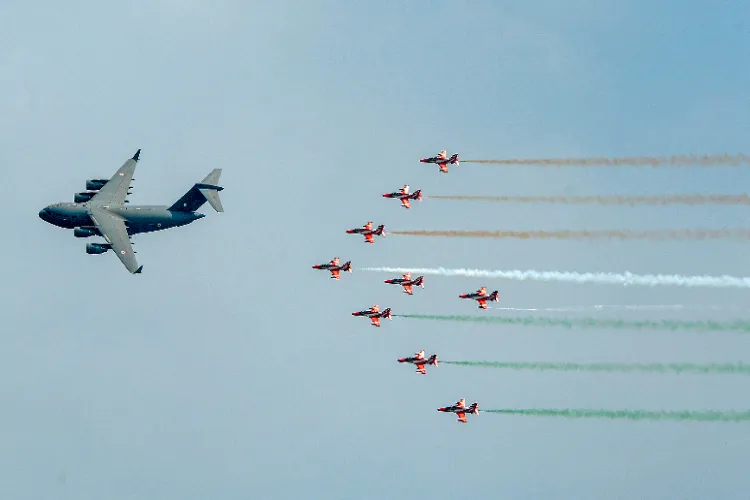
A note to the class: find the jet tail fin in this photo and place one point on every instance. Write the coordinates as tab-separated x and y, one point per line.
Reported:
205	191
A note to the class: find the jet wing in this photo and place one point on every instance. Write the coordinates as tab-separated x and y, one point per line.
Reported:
461	416
407	289
369	238
116	189
405	202
420	369
375	321
113	229
482	303
335	273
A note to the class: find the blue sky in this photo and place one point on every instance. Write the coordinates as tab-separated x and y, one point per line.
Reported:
231	369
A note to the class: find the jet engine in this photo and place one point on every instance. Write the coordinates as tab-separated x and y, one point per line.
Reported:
95	184
83	197
97	248
85	232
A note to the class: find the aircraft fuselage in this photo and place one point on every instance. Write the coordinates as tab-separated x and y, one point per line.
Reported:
140	218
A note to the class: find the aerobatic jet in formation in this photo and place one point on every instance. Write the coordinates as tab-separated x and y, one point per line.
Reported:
334	267
403	195
461	410
368	232
442	160
481	297
419	360
374	314
103	211
406	282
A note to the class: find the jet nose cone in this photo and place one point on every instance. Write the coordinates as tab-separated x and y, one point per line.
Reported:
44	214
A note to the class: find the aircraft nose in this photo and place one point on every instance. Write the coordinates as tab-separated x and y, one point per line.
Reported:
44	214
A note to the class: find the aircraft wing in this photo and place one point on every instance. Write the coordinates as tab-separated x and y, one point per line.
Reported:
443	166
116	189
375	321
405	202
407	289
482	302
113	229
335	273
369	238
420	369
461	416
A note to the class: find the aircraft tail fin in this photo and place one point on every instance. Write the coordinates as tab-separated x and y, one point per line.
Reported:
205	191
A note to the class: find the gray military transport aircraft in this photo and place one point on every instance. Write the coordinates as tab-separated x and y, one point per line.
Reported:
102	211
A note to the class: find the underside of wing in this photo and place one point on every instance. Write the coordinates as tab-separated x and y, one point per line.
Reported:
420	369
115	190
113	229
407	289
405	202
369	238
482	302
461	416
375	321
335	273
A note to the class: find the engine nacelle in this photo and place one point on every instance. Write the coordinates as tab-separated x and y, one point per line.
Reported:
97	248
83	197
85	232
95	184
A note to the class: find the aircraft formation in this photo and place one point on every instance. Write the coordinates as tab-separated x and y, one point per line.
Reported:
408	283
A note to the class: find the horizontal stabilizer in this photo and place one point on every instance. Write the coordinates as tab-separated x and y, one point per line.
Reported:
201	192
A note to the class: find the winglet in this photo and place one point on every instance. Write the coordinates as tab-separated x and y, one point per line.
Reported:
140	269
137	155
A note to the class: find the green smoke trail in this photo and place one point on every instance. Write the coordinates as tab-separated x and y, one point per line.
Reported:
707	326
695	416
733	368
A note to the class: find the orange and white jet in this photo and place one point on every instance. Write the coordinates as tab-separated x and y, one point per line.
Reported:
368	232
461	410
334	267
481	297
418	359
407	282
442	160
374	314
403	195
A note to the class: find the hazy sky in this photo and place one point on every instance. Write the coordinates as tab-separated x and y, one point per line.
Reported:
230	369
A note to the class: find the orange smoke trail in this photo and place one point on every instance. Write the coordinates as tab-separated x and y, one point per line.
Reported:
633	161
665	234
687	199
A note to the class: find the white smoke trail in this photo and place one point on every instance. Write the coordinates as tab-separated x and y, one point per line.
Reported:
625	279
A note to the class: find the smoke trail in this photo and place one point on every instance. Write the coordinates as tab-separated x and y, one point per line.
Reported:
733	368
695	416
661	234
689	199
632	161
618	324
573	277
629	307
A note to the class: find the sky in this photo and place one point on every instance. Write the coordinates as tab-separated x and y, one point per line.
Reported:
231	369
